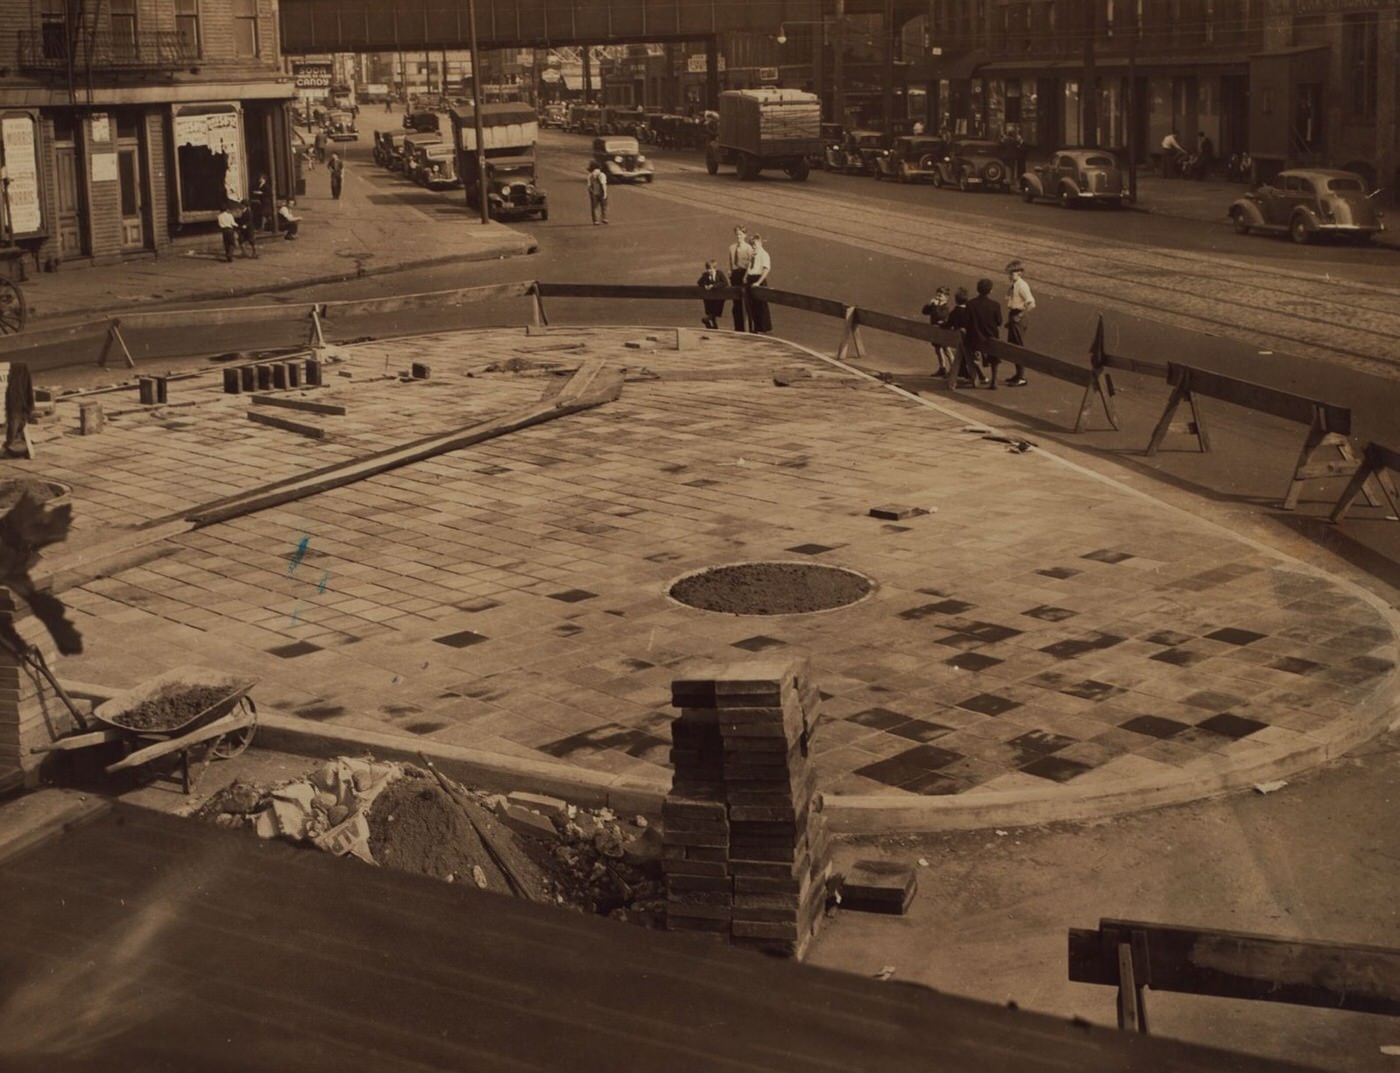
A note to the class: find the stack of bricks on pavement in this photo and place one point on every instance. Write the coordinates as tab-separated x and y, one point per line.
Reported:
745	851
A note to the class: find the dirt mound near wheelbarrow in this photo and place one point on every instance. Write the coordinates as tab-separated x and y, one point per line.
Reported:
416	827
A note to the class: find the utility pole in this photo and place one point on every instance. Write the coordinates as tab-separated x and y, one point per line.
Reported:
838	63
887	74
1089	84
476	117
1133	105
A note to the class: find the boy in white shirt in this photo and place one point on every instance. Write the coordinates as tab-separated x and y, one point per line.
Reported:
1019	302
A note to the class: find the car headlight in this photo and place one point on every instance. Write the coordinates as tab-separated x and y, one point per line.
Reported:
617	160
641	159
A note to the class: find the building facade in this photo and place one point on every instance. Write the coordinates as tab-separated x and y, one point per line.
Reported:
127	123
1289	81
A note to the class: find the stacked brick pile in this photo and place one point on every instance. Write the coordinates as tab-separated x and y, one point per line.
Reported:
29	715
745	849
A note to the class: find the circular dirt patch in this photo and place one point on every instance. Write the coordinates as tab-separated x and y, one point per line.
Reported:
771	588
12	491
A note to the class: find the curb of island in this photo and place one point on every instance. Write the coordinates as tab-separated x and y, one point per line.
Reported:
518	248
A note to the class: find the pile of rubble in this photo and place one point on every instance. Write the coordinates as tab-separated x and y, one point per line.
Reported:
410	819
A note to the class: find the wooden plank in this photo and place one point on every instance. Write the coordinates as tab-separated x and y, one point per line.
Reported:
356	307
1262	397
225	724
826	307
293	402
1231	964
315	432
33	338
912	329
210	316
637	291
1058	368
1155	369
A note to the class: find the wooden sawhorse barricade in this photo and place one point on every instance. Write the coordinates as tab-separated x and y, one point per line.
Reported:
1377	464
1132	956
1328	427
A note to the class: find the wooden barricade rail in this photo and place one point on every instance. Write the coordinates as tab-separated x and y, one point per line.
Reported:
1101	361
1131	956
1377	465
1079	375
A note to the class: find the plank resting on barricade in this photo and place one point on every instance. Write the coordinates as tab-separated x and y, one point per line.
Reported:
1058	368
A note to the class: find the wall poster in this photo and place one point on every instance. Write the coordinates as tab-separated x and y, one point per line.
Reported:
19	154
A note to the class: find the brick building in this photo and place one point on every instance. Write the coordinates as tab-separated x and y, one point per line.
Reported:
125	123
1291	81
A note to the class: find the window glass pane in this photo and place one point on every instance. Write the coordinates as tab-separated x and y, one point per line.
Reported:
1345	184
245	37
126	162
245	8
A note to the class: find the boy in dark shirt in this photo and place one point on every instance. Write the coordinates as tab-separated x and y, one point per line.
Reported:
960	319
984	313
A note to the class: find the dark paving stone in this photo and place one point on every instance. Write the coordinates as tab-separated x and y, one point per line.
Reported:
675	467
913	614
662	557
1167	637
493	471
989	632
1372	665
758	643
1050	613
988	704
568	629
812	549
1230	725
878	718
1034	743
972	661
321	711
919	730
1154	726
932	784
1232	635
572	596
896	528
478	605
1180	657
1059	573
958	639
703	482
631	740
909	765
1055	768
293	650
1295	665
633	664
1079	646
1105	555
461	640
424	727
1089	689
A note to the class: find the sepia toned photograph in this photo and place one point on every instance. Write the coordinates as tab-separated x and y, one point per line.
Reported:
707	536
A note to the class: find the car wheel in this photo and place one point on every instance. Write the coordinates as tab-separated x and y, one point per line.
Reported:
544	214
1241	224
1067	198
879	174
1298	231
1027	194
963	184
712	160
938	179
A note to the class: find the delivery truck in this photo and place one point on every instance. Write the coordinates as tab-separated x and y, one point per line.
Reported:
766	128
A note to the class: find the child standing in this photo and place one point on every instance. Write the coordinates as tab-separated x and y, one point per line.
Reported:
937	309
709	280
228	228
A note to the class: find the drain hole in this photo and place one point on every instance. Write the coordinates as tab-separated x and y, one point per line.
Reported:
771	588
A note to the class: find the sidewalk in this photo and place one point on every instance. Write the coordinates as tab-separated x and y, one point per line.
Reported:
366	232
1042	644
1208	201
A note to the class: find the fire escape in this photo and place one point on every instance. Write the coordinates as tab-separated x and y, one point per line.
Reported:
85	42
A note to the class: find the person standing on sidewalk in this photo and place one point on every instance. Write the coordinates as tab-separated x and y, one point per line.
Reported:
984	324
760	320
937	310
597	193
1019	302
228	228
740	258
710	279
1172	153
260	203
337	170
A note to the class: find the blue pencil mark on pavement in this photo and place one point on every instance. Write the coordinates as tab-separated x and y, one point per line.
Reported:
299	554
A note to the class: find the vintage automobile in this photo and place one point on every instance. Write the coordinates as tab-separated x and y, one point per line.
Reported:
434	166
554	115
857	153
411	144
585	119
388	146
973	165
421	121
912	159
340	127
622	160
1308	203
622	119
1077	177
509	132
832	135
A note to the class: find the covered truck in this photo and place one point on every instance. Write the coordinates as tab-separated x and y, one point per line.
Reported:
766	128
509	133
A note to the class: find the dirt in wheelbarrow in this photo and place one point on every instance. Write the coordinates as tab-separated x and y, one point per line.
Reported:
173	706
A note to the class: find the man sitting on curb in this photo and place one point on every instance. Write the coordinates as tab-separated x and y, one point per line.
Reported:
290	220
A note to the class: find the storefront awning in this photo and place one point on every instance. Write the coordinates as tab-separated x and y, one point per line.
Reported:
1109	63
949	68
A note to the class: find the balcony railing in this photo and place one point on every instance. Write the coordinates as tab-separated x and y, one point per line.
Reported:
51	48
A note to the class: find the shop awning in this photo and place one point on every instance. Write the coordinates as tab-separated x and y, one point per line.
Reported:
1109	63
950	68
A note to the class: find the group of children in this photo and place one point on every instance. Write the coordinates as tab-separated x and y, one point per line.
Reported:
239	227
979	320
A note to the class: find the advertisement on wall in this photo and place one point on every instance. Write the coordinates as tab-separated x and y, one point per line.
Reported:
313	76
19	154
209	158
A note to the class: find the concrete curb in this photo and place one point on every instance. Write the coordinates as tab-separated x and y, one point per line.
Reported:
40	817
517	249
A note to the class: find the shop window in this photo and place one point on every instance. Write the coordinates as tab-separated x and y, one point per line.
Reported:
128	125
65	126
208	158
187	26
53	29
245	28
1013	102
1359	54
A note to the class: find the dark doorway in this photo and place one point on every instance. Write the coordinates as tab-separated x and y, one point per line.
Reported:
1234	114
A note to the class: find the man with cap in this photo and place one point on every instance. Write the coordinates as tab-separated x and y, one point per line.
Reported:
1019	302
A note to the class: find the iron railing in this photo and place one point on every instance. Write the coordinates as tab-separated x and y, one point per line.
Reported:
53	49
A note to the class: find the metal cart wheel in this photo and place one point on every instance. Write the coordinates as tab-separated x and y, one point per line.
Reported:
230	745
13	310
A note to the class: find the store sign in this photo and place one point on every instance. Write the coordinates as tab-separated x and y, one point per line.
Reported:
312	76
767	74
549	74
22	171
696	64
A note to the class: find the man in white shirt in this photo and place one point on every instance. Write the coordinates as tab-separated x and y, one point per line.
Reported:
1019	302
740	258
290	220
228	227
1172	152
762	264
597	193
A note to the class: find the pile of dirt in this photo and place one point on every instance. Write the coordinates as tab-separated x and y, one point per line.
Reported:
173	706
12	491
771	588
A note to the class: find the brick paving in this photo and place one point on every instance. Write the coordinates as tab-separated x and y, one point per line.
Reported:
1038	630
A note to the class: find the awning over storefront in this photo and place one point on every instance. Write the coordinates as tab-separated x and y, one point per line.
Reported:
948	68
1217	64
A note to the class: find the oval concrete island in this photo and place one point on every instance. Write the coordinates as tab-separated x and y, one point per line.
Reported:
771	588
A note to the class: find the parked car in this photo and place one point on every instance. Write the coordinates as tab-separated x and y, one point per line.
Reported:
912	159
554	114
1308	203
340	127
622	160
857	153
434	165
411	144
831	135
388	148
622	119
421	121
585	119
973	165
1077	177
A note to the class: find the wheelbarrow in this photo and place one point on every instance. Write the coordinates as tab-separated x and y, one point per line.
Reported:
223	726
